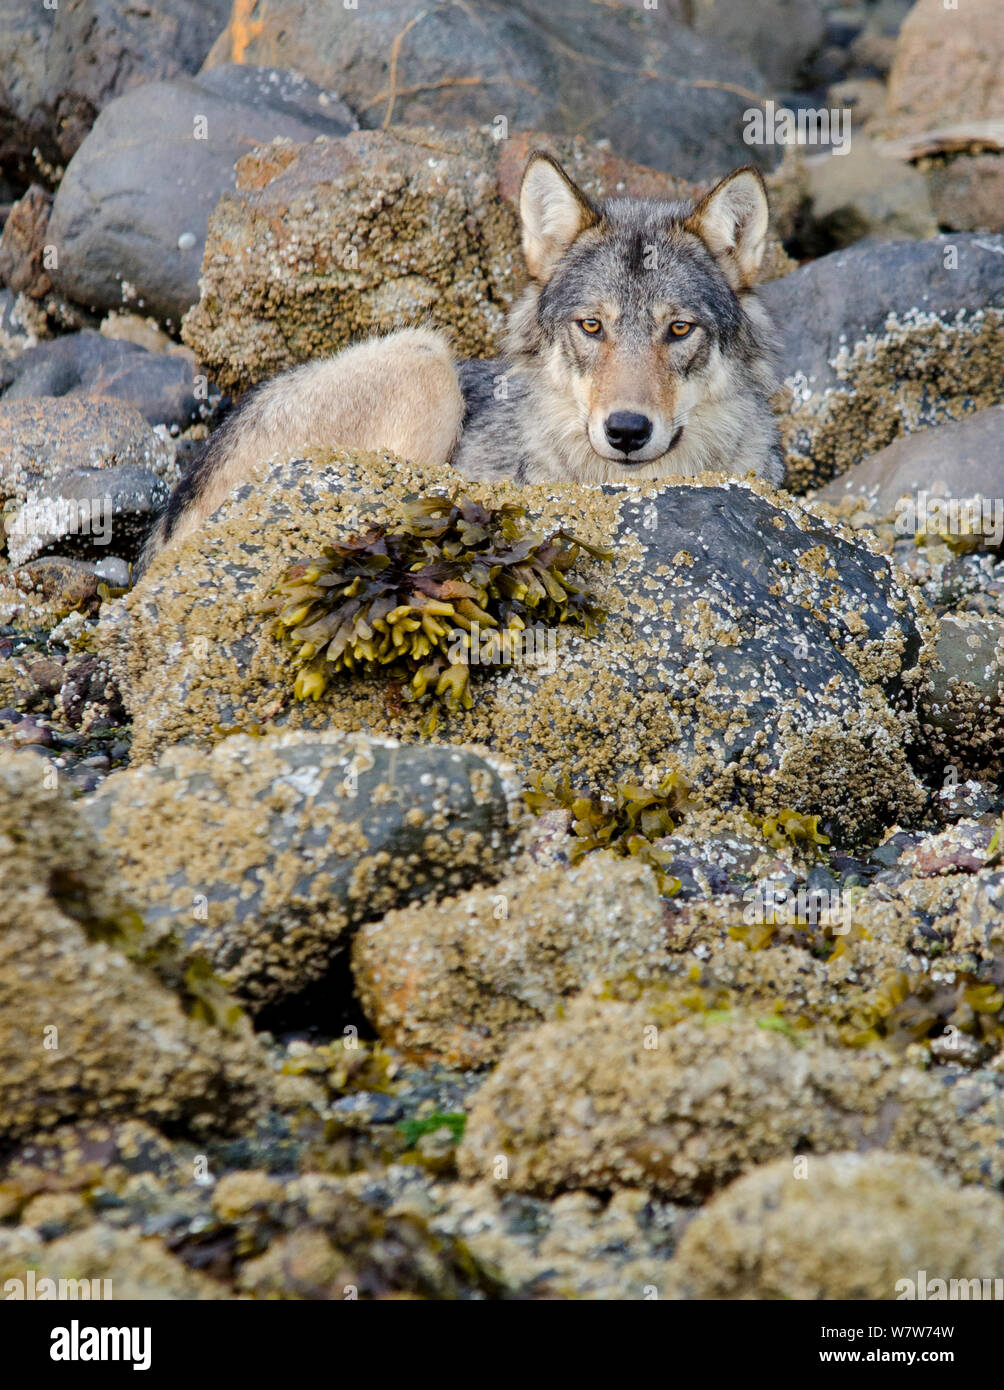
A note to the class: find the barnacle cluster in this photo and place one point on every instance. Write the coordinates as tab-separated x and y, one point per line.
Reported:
448	588
629	822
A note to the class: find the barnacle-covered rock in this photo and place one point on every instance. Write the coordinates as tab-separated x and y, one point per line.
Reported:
760	653
963	709
634	1095
262	855
455	981
847	1226
861	368
123	1264
86	1030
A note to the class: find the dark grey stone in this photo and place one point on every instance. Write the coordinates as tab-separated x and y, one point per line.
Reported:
130	217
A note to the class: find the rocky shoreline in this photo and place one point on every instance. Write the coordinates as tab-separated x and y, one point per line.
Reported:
673	966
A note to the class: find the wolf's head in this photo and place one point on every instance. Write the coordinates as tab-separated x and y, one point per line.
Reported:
640	327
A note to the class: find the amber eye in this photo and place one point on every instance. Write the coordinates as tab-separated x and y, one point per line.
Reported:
591	326
680	328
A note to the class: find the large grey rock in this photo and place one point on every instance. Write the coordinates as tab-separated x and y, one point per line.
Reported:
621	71
750	646
882	339
85	1031
962	459
963	712
129	219
60	64
264	856
778	36
161	386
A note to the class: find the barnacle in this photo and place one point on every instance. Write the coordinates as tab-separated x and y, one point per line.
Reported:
424	602
629	822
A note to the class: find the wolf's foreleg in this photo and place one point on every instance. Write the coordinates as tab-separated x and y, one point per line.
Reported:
398	393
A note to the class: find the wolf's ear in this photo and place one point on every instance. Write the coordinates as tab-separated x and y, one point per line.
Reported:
553	212
731	220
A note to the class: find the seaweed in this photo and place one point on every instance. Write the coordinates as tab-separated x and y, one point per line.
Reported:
628	822
422	602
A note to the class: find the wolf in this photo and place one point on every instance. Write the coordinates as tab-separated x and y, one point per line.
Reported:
638	350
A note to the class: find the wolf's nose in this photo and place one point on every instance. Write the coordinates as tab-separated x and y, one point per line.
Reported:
628	431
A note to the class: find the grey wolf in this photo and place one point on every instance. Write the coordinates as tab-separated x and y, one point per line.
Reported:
638	350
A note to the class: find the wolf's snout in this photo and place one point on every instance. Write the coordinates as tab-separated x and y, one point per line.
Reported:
627	431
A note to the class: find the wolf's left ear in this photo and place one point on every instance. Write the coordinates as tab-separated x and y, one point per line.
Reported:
731	220
554	212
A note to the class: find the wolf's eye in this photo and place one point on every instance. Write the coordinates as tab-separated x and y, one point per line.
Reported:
591	326
679	328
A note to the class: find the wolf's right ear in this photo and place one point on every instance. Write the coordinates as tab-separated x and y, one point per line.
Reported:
554	212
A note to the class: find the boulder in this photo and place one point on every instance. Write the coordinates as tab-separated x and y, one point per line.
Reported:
805	706
777	36
963	711
967	192
947	66
90	512
454	981
61	63
44	438
322	244
863	193
84	1030
620	1095
964	459
23	244
620	71
128	238
262	857
848	1226
883	339
161	386
46	590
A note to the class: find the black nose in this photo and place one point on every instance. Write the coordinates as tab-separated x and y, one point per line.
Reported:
628	431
